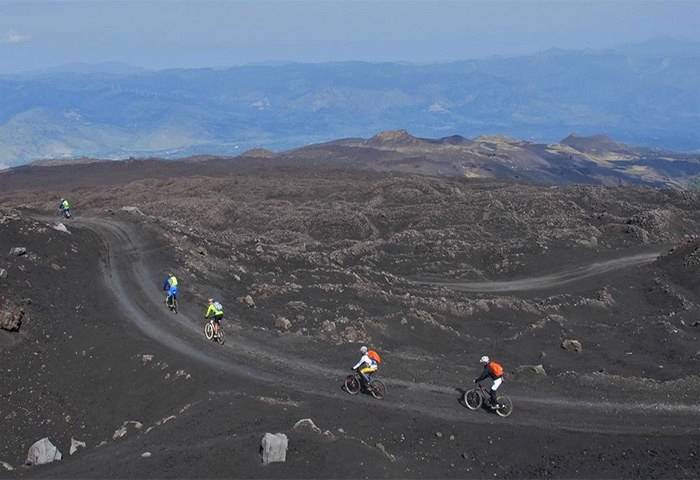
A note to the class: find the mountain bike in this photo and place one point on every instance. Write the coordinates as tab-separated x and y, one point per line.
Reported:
64	213
171	302
354	384
209	332
477	397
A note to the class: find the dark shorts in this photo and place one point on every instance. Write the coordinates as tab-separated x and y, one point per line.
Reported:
218	319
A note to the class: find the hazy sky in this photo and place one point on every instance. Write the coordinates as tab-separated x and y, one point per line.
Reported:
161	34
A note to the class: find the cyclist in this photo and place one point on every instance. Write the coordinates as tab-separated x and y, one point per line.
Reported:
367	365
64	206
216	312
494	370
170	286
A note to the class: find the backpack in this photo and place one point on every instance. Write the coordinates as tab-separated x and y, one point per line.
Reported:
218	307
496	369
374	356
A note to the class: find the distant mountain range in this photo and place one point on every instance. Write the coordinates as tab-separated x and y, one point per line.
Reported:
639	95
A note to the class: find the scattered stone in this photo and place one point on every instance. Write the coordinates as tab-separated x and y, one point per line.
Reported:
202	251
308	425
438	434
134	210
75	445
282	323
122	431
60	228
452	437
259	249
533	369
18	251
3	274
248	300
43	451
571	345
55	267
146	455
146	357
6	466
273	448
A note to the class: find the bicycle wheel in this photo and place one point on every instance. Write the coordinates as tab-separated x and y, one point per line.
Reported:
352	385
473	399
220	338
377	389
209	330
505	406
175	305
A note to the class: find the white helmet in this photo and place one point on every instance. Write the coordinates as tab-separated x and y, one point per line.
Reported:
363	349
484	360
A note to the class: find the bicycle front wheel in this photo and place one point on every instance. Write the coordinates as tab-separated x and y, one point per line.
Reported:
473	399
209	330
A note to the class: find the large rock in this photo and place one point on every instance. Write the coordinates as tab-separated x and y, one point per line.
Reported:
273	448
248	300
11	319
60	228
43	451
571	345
532	369
282	323
3	274
18	251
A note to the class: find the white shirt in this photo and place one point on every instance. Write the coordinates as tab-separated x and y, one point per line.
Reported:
365	359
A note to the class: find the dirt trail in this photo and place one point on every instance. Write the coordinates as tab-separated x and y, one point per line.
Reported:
563	277
129	276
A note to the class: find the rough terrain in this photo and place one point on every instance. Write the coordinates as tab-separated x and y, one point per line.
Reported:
433	272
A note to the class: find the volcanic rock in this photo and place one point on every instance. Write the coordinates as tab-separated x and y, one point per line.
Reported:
273	448
282	323
75	445
11	319
60	228
43	451
18	251
533	369
3	274
307	425
571	345
248	300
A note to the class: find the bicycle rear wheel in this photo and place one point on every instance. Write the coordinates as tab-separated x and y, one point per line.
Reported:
377	389
505	406
473	399
220	338
352	385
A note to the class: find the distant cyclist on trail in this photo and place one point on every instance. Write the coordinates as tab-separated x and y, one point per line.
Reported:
216	312
494	370
64	207
170	286
368	364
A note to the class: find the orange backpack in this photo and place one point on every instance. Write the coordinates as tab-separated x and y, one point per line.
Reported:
374	356
496	369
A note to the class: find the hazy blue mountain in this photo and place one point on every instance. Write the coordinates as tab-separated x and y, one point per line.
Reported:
637	99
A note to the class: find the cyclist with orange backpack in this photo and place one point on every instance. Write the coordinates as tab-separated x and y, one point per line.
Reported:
368	364
494	370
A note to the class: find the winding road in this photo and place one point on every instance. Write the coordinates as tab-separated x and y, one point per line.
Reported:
133	280
557	279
